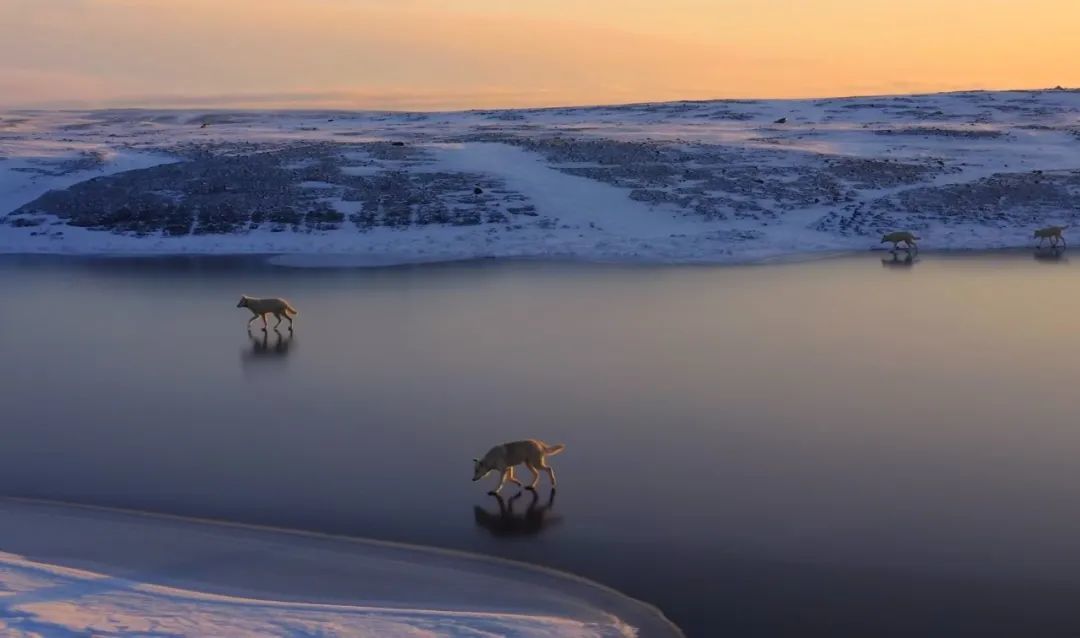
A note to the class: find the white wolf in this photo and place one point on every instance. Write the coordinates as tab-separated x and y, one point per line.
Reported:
270	305
503	458
1053	233
909	239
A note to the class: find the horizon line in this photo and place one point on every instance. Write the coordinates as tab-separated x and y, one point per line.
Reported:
238	102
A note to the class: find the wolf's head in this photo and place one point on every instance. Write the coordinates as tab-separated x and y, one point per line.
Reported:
243	302
480	469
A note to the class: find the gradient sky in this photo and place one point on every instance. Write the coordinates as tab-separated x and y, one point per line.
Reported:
432	54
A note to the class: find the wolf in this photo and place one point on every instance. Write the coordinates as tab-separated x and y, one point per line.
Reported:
900	236
270	305
1053	233
502	458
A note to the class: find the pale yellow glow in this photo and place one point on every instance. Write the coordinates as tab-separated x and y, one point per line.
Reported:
482	53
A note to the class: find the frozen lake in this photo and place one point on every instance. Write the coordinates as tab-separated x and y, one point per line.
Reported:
843	446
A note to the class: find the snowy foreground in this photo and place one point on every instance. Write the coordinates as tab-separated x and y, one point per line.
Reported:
674	182
74	571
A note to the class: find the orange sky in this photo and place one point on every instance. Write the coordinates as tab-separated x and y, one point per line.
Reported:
431	54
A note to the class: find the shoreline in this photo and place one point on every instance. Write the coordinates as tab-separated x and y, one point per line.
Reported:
347	261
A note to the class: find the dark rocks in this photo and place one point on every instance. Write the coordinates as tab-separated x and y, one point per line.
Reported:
937	131
239	188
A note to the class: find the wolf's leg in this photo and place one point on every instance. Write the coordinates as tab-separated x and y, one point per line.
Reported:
535	475
502	481
264	321
510	476
547	468
278	315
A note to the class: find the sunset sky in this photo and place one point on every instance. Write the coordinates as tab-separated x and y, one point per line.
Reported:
435	54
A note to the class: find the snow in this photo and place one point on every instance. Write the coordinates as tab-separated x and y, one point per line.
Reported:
74	570
572	200
714	181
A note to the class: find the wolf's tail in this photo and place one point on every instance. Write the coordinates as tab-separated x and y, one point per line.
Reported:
288	306
552	450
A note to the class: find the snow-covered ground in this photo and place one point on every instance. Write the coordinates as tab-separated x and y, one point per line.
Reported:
77	571
674	182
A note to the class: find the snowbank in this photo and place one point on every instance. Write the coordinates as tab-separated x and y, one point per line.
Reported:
72	570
